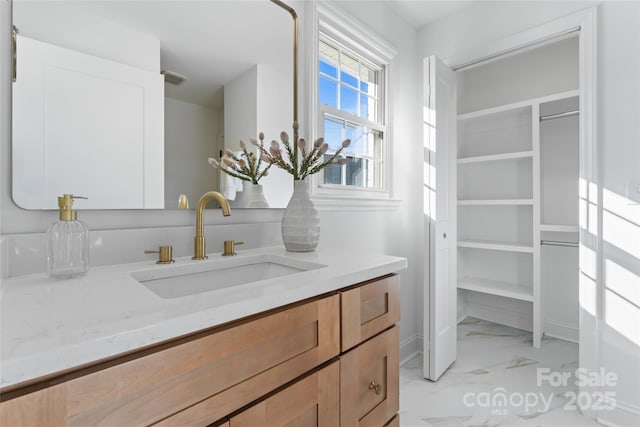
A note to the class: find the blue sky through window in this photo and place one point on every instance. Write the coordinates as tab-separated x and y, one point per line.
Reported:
347	93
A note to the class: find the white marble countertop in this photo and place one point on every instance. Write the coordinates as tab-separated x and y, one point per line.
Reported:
47	326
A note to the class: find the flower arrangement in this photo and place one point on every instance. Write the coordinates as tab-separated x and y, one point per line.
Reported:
303	160
247	167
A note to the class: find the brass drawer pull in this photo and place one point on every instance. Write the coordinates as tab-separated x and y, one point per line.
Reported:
377	388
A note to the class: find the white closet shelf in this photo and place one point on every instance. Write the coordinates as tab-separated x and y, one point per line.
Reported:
560	228
514	107
495	202
496	246
518	108
493	287
496	157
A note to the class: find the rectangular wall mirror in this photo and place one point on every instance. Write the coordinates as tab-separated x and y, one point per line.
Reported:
124	101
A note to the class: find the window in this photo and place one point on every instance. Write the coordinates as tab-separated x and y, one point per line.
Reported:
351	104
351	78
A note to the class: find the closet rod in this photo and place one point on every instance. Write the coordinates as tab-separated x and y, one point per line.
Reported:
559	115
509	51
559	243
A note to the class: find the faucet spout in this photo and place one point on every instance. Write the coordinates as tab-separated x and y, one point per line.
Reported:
199	248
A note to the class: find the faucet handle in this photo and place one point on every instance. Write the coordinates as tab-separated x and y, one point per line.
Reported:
166	254
230	247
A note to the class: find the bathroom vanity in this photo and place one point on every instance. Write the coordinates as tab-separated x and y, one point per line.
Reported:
318	346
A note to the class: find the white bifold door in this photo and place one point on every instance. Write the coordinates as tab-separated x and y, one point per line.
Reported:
439	127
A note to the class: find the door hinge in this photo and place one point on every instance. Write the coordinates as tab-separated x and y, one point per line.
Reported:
14	52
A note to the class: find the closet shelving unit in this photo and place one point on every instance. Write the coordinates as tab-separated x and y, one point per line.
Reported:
500	202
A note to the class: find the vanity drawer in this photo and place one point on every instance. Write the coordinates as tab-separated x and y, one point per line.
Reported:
369	309
200	380
369	381
313	401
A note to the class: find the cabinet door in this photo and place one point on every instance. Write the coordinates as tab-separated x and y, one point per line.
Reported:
369	382
369	309
311	402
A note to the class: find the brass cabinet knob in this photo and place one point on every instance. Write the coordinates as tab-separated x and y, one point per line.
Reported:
377	388
166	254
230	247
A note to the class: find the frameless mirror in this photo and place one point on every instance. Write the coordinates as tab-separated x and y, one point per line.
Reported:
124	101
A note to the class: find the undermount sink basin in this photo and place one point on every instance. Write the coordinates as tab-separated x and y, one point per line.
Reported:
197	277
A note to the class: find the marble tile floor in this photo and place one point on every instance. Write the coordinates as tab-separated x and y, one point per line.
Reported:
494	382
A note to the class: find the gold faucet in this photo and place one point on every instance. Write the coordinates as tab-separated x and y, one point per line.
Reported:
199	244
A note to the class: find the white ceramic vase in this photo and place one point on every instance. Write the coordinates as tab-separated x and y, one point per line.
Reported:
300	222
251	196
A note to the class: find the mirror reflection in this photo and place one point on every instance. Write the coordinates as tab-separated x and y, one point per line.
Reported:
125	101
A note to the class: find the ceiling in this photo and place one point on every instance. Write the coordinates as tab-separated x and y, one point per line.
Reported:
423	12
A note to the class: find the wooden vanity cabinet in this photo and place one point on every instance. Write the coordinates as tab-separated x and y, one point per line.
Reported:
201	379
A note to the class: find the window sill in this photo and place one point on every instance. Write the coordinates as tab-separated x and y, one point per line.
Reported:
342	203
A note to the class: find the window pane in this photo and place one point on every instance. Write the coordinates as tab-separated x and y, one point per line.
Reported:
350	69
333	133
364	107
355	172
371	108
372	149
349	79
332	173
369	80
348	100
328	52
357	136
327	68
328	92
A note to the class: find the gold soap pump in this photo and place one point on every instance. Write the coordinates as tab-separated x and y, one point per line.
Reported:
68	242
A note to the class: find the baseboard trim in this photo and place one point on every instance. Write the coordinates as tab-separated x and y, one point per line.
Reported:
561	330
499	315
409	348
504	316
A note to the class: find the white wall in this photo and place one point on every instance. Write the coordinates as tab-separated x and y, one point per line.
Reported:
613	340
241	108
618	343
275	88
538	72
191	137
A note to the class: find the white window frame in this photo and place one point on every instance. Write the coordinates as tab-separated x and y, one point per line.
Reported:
343	29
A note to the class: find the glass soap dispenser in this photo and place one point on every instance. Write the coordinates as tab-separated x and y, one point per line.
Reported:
68	243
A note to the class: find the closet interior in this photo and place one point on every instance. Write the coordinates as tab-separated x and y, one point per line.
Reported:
518	171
